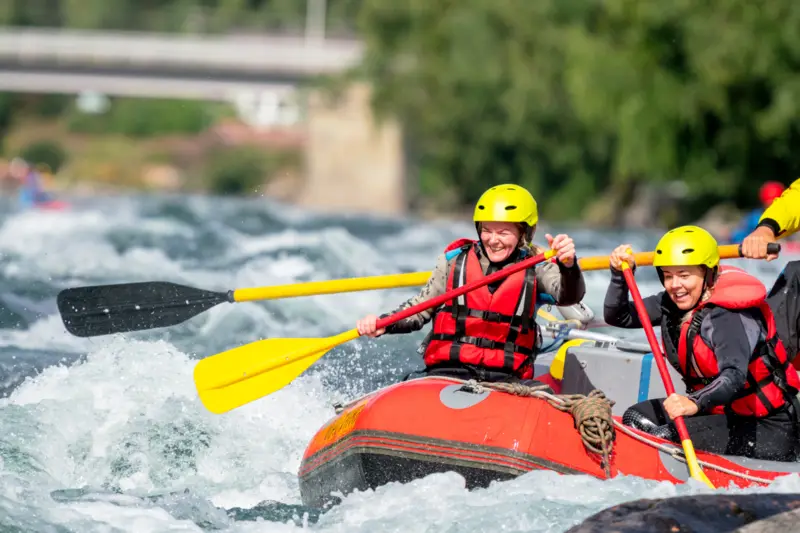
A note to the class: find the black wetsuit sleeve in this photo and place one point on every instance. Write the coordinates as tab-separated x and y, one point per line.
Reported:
733	336
620	312
771	224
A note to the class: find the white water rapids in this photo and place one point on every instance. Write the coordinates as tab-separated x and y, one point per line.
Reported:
107	434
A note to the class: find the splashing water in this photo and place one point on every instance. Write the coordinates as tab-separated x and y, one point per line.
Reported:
107	434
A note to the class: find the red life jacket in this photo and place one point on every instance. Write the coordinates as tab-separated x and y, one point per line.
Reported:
495	331
771	380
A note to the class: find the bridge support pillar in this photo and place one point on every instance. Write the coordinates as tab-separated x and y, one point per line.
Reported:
353	163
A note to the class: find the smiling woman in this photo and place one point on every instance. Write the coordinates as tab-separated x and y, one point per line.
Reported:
719	333
491	332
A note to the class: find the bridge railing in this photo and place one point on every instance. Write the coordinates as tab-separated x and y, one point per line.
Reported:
290	55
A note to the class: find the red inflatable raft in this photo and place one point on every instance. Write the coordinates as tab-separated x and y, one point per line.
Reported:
418	427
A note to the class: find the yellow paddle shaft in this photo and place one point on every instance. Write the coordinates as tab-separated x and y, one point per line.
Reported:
602	262
371	283
413	279
311	288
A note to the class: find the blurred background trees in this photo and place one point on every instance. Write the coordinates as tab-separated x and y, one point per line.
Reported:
583	100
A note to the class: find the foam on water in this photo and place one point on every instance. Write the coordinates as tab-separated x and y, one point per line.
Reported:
107	434
127	420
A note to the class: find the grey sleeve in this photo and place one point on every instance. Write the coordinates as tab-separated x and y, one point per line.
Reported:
564	284
620	312
436	286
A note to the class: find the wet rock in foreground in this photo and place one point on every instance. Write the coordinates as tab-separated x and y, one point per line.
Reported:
708	513
780	523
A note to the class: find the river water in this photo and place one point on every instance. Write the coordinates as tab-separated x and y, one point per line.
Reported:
107	434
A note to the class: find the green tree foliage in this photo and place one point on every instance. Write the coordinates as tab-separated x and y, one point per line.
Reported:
182	16
48	152
148	117
6	112
569	97
244	170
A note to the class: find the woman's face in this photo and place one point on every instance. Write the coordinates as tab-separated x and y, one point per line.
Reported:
499	239
684	285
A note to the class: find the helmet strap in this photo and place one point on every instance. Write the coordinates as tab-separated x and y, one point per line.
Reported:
711	277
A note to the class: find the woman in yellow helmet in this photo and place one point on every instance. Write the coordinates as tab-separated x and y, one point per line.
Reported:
491	333
719	334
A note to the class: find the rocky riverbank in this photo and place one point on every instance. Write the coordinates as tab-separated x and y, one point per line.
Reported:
710	513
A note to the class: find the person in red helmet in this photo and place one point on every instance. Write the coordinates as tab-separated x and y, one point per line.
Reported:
768	193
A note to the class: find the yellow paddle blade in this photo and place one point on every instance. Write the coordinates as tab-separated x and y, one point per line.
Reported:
557	366
311	288
239	376
223	399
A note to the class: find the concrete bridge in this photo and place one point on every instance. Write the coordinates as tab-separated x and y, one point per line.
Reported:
228	68
260	75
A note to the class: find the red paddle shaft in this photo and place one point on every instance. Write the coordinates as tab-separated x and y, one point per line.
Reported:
455	293
644	318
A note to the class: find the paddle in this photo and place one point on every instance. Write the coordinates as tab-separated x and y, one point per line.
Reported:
726	251
688	448
105	309
233	378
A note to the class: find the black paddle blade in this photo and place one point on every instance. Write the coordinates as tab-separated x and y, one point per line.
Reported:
105	309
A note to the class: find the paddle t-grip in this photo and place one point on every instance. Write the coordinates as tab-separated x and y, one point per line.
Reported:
773	248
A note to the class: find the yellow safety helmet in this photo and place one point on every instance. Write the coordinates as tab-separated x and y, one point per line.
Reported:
686	246
506	203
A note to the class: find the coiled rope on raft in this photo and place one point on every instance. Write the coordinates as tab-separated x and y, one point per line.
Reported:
591	413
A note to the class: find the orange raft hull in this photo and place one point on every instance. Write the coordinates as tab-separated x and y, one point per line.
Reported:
418	427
